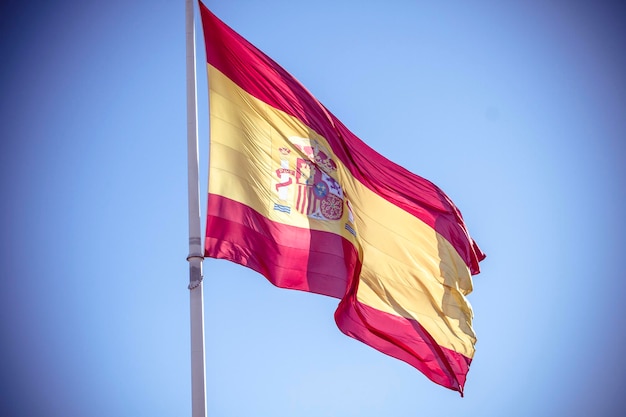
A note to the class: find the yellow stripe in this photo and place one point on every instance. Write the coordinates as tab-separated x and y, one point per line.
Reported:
246	135
409	270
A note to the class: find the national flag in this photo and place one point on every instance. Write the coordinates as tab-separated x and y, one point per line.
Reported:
296	196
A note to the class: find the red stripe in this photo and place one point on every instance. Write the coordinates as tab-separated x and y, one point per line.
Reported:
404	339
324	263
264	79
288	256
299	200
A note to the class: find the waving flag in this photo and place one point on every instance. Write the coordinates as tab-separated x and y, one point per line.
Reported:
294	195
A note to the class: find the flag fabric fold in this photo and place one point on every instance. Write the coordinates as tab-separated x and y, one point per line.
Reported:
296	196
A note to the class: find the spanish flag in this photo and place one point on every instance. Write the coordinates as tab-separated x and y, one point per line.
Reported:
296	196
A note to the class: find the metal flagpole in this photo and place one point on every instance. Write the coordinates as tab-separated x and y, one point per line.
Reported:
195	258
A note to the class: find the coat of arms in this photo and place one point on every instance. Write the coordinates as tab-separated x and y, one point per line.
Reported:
317	194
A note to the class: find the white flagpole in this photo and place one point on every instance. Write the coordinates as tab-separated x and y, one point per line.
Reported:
195	258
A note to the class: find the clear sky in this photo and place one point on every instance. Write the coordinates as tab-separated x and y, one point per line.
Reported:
516	109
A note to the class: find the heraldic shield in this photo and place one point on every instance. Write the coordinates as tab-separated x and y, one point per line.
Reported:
317	194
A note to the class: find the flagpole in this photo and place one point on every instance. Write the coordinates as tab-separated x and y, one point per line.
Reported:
195	258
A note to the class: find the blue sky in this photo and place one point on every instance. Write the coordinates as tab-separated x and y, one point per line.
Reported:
516	109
